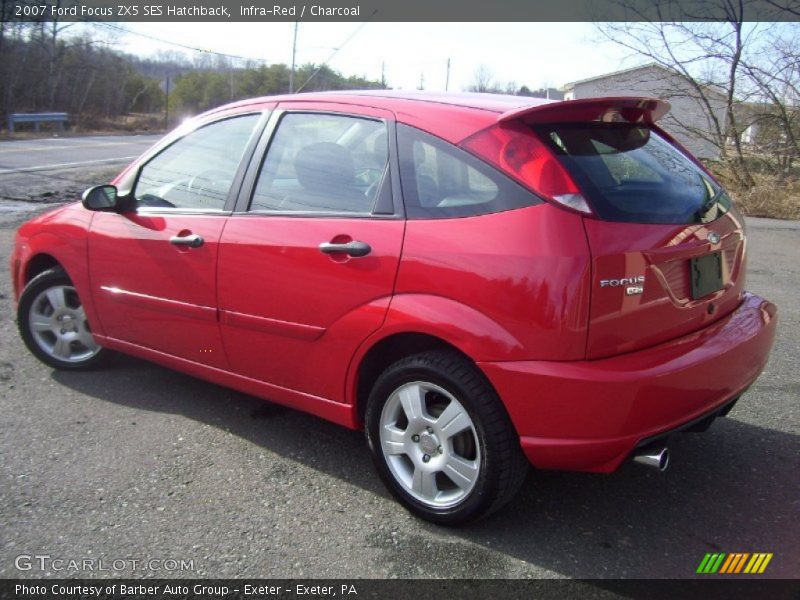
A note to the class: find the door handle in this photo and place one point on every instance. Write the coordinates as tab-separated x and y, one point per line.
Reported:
354	248
193	240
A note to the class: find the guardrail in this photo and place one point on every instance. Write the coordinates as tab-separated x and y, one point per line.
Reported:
37	118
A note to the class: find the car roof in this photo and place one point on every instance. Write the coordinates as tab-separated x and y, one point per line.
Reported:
451	116
394	99
457	115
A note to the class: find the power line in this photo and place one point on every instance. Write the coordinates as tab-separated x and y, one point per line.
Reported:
336	50
116	27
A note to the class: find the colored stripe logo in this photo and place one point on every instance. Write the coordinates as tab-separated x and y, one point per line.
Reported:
736	562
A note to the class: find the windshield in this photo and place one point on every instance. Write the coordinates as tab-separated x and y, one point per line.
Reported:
630	173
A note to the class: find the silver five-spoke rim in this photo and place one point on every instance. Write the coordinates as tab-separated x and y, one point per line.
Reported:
430	444
58	325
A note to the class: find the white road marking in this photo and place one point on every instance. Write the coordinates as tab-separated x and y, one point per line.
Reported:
66	165
70	147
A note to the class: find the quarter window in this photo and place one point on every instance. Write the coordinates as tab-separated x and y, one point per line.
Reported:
441	181
197	171
320	163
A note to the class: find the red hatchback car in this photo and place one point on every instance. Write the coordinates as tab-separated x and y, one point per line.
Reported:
479	281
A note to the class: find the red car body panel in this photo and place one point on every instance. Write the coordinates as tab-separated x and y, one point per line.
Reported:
589	415
523	295
325	408
304	313
646	110
60	235
585	372
166	296
661	253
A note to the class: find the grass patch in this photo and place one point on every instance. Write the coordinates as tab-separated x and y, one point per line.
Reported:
772	196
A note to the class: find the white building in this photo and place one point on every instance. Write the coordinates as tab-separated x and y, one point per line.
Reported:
688	120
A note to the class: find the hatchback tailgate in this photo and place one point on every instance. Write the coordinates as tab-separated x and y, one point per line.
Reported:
628	313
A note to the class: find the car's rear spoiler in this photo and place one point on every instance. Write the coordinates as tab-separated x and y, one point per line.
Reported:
627	109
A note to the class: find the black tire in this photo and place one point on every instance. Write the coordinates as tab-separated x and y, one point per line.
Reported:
503	466
47	280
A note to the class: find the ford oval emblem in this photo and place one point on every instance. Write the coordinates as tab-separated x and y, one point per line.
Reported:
713	237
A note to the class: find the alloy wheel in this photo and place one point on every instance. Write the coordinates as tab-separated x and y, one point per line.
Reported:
59	327
430	444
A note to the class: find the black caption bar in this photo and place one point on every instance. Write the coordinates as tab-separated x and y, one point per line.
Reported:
261	589
403	10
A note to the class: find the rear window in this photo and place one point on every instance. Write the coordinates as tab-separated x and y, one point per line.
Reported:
630	173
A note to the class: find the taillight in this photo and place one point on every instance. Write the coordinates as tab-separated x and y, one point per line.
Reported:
516	151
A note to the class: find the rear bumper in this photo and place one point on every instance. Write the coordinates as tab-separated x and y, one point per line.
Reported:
590	415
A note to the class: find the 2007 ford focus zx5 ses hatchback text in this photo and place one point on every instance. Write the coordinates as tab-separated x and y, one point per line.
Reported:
480	282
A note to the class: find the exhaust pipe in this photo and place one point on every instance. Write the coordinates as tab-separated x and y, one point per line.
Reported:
654	456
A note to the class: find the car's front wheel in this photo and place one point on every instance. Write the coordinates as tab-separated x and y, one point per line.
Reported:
53	324
441	439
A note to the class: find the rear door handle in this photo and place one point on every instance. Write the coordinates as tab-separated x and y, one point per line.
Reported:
354	248
193	240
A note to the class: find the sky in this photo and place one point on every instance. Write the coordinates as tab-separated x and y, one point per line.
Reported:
532	54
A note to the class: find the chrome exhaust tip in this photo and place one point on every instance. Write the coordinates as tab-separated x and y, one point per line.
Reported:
657	457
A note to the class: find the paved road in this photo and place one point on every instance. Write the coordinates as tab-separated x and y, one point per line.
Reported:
44	170
139	462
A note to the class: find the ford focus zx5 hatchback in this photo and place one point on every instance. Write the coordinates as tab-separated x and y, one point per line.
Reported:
479	282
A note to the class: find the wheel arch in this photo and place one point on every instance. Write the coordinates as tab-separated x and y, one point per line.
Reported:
39	263
417	323
386	351
68	251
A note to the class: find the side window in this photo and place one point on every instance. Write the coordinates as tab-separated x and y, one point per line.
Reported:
197	171
322	163
442	181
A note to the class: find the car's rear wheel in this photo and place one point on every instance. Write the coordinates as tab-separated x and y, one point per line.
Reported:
53	323
441	439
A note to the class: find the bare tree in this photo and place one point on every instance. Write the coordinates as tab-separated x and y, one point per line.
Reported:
774	72
707	56
483	81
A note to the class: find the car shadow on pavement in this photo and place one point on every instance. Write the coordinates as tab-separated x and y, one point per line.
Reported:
731	489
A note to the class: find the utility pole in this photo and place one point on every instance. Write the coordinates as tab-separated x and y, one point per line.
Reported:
447	79
383	74
166	106
421	81
294	55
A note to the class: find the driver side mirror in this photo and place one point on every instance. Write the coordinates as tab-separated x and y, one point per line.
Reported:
101	198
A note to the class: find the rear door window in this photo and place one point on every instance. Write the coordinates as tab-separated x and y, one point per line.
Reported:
323	164
630	173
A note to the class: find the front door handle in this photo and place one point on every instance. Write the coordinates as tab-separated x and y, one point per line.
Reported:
354	248
193	240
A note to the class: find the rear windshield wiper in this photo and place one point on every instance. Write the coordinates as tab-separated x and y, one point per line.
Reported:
708	203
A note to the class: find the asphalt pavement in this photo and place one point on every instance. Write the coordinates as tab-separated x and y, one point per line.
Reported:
52	169
137	462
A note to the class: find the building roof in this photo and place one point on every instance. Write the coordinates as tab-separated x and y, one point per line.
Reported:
713	89
572	84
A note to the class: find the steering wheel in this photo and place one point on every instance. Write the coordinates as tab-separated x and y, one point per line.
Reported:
372	176
369	175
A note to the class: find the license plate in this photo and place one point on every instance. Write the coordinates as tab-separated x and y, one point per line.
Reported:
706	274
